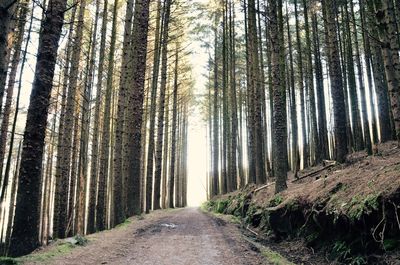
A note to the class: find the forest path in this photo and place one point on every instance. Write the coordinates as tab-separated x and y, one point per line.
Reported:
174	237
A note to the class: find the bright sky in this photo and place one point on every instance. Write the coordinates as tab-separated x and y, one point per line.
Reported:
197	144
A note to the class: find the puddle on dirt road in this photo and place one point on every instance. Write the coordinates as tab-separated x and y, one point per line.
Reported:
171	225
156	228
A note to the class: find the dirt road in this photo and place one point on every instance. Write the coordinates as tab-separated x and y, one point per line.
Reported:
178	237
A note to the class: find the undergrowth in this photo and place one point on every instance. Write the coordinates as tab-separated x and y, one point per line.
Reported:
345	232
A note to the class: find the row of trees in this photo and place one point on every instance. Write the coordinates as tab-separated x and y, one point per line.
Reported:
107	123
295	82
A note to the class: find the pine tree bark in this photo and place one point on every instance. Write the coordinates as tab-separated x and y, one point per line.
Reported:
153	107
313	138
171	180
119	194
279	96
305	153
7	10
94	170
233	100
65	177
293	107
378	72
323	151
215	171
24	237
134	112
101	210
361	85
368	63
255	90
336	81
354	100
390	45
165	155
161	106
86	117
60	146
11	80
13	199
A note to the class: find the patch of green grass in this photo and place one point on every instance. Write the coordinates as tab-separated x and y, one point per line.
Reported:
359	260
46	257
234	219
9	261
311	237
125	223
341	250
274	257
276	200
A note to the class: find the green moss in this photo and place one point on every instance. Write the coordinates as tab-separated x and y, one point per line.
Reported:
218	206
250	213
274	257
276	200
390	244
360	205
81	240
206	206
221	206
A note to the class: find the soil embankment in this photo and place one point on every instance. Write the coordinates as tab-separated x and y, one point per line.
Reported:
347	213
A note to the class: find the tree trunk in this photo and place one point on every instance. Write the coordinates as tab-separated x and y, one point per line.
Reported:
94	170
60	144
215	171
305	153
160	122
279	96
101	210
171	180
119	194
165	155
390	46
323	151
134	112
336	81
11	82
24	237
7	10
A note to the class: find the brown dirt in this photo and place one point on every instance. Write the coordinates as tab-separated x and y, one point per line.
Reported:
177	237
361	175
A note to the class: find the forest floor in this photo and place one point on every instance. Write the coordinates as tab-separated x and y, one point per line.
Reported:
332	213
170	237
